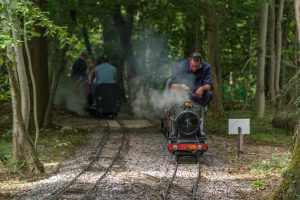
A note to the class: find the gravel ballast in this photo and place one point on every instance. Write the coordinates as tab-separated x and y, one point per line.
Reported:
145	168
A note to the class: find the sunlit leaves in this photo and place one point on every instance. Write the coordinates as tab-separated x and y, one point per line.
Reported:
26	13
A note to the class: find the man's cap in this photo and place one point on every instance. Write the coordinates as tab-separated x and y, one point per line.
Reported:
104	57
196	55
101	59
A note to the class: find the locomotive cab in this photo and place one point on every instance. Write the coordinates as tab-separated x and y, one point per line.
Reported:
185	130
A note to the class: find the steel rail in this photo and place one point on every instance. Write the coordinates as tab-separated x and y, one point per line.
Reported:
194	187
124	131
61	190
171	182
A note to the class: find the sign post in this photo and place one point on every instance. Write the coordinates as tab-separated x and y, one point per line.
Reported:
239	127
240	146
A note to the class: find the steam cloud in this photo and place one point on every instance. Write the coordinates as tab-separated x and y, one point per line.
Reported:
71	95
154	68
151	103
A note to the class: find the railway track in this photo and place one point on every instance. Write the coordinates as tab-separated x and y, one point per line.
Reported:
194	187
99	162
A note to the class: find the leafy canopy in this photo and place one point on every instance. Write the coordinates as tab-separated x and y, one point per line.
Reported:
24	12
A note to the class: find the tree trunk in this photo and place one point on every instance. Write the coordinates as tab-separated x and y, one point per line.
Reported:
191	34
23	141
219	71
23	149
34	92
110	40
22	78
39	56
56	72
124	29
85	34
290	185
58	64
271	71
213	24
278	45
260	72
297	11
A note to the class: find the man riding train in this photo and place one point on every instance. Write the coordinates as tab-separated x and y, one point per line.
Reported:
193	76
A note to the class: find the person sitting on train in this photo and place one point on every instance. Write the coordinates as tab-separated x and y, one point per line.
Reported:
79	67
104	72
193	75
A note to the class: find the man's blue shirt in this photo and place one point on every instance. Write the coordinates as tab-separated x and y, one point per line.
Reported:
105	73
183	74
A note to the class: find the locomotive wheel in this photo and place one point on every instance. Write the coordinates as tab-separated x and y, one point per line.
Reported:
166	132
114	115
197	157
162	124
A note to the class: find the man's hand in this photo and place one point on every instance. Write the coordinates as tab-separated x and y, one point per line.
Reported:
181	86
199	92
185	87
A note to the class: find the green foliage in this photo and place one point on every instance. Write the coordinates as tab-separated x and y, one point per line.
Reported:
4	88
240	93
297	105
31	17
263	131
57	143
6	158
258	185
274	165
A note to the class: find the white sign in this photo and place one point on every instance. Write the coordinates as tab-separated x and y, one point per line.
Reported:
234	124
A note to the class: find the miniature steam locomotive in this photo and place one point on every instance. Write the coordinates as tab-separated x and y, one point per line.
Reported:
183	125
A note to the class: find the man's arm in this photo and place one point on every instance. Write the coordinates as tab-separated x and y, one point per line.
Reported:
200	91
180	86
207	82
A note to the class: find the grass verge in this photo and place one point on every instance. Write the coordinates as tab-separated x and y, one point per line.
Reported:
261	129
55	145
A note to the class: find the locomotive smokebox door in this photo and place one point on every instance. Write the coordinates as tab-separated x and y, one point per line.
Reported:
187	122
108	99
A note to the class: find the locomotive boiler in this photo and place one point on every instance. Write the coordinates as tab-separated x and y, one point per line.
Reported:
184	130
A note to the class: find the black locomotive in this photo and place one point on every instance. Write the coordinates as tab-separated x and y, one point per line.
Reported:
183	125
108	98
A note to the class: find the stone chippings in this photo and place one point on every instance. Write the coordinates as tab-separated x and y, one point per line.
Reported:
155	160
69	169
143	171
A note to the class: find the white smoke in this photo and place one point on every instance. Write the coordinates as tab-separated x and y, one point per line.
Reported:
150	103
71	96
154	67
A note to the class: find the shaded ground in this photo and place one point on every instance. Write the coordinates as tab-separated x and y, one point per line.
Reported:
254	175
